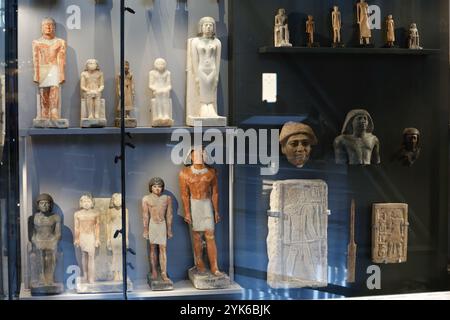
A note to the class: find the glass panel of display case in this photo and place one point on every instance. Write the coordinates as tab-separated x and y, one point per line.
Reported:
3	169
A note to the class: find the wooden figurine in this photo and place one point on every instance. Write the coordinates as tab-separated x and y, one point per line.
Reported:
129	88
362	18
336	23
310	29
390	32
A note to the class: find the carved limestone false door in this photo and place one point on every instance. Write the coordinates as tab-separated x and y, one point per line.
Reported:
297	239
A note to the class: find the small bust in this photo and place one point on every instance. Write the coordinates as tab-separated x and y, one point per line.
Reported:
296	140
410	150
357	145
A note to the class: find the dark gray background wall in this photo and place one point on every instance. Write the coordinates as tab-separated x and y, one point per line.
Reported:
399	91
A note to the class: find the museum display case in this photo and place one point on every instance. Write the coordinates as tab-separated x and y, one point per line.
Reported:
197	149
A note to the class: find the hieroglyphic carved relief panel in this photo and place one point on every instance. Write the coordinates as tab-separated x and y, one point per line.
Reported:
389	232
297	239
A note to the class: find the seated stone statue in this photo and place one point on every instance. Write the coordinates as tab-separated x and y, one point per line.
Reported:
160	85
357	145
44	231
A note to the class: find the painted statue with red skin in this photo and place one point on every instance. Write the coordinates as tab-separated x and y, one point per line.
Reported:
49	60
200	197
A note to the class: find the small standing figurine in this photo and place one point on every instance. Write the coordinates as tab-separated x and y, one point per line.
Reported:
44	229
414	37
157	218
410	150
390	32
92	85
336	22
160	85
203	70
310	28
49	60
296	140
357	145
129	97
87	236
281	29
200	196
362	15
115	244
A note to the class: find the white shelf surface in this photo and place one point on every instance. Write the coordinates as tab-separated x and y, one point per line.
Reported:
141	291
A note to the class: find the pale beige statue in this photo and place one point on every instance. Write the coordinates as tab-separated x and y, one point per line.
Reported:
157	215
389	232
114	224
129	95
49	60
87	236
362	15
414	37
336	22
203	71
92	85
281	29
390	31
160	84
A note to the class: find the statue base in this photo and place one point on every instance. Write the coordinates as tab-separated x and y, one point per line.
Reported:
93	123
102	287
46	290
48	123
338	45
162	123
159	284
129	123
283	45
313	45
208	281
286	283
370	45
207	122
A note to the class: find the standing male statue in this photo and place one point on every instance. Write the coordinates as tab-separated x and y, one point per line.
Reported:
49	60
200	196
